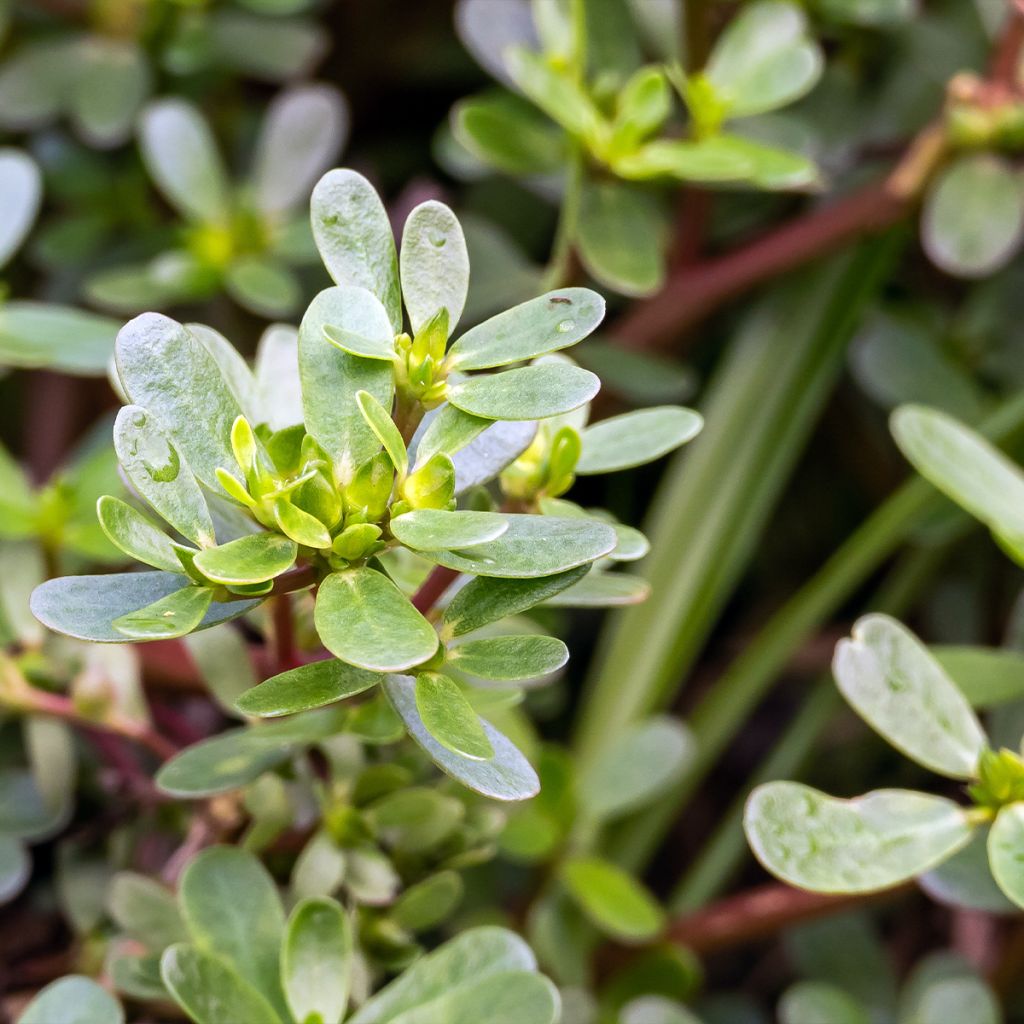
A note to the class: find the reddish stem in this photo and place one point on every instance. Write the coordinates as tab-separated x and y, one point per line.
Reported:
434	586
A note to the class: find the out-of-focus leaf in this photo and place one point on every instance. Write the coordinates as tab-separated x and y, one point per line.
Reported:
965	880
635	438
487	30
50	336
809	1002
481	459
599	589
509	134
1004	845
21	189
272	49
112	83
263	286
614	901
209	990
973	217
73	999
986	676
146	910
316	961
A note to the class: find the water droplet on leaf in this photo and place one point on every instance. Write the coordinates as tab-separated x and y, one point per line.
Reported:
564	326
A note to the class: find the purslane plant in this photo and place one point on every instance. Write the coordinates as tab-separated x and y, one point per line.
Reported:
580	101
247	238
396	429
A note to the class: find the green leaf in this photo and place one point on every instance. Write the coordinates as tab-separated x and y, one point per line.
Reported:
476	954
174	615
252	559
490	452
873	842
533	546
379	420
222	657
41	334
635	438
85	607
15	867
135	535
620	235
965	997
612	900
510	657
506	776
17	502
353	234
966	468
232	909
553	321
427	529
768	166
986	676
365	620
509	134
642	107
1005	842
810	1002
553	90
306	687
363	328
316	961
448	430
168	371
434	265
233	368
656	1010
263	286
209	990
635	768
21	190
181	155
302	133
279	395
965	880
486	600
330	379
764	59
448	717
112	83
427	903
707	161
73	999
527	393
599	589
145	910
224	762
157	471
897	687
973	217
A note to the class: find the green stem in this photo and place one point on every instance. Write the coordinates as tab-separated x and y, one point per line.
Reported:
559	268
721	855
719	717
716	497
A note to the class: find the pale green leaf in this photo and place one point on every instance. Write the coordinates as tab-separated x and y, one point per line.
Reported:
768	167
986	676
890	679
182	157
232	909
155	468
316	961
44	334
175	615
635	438
486	600
353	234
252	559
973	217
764	59
548	323
1005	843
145	910
428	529
553	90
168	371
508	133
518	996
365	620
506	776
15	867
527	393
613	901
224	762
966	468
812	1002
306	687
135	535
533	546
209	990
73	999
873	842
448	430
484	457
656	1010
263	286
434	265
599	589
965	880
427	903
635	768
487	30
330	379
475	954
112	83
509	658
279	394
448	716
620	236
303	132
233	367
379	420
362	328
222	657
21	190
85	607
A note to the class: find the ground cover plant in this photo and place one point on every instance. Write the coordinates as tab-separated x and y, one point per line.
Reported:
511	510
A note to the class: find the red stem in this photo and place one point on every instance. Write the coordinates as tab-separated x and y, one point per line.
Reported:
434	586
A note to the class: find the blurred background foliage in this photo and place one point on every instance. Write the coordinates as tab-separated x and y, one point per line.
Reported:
802	215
